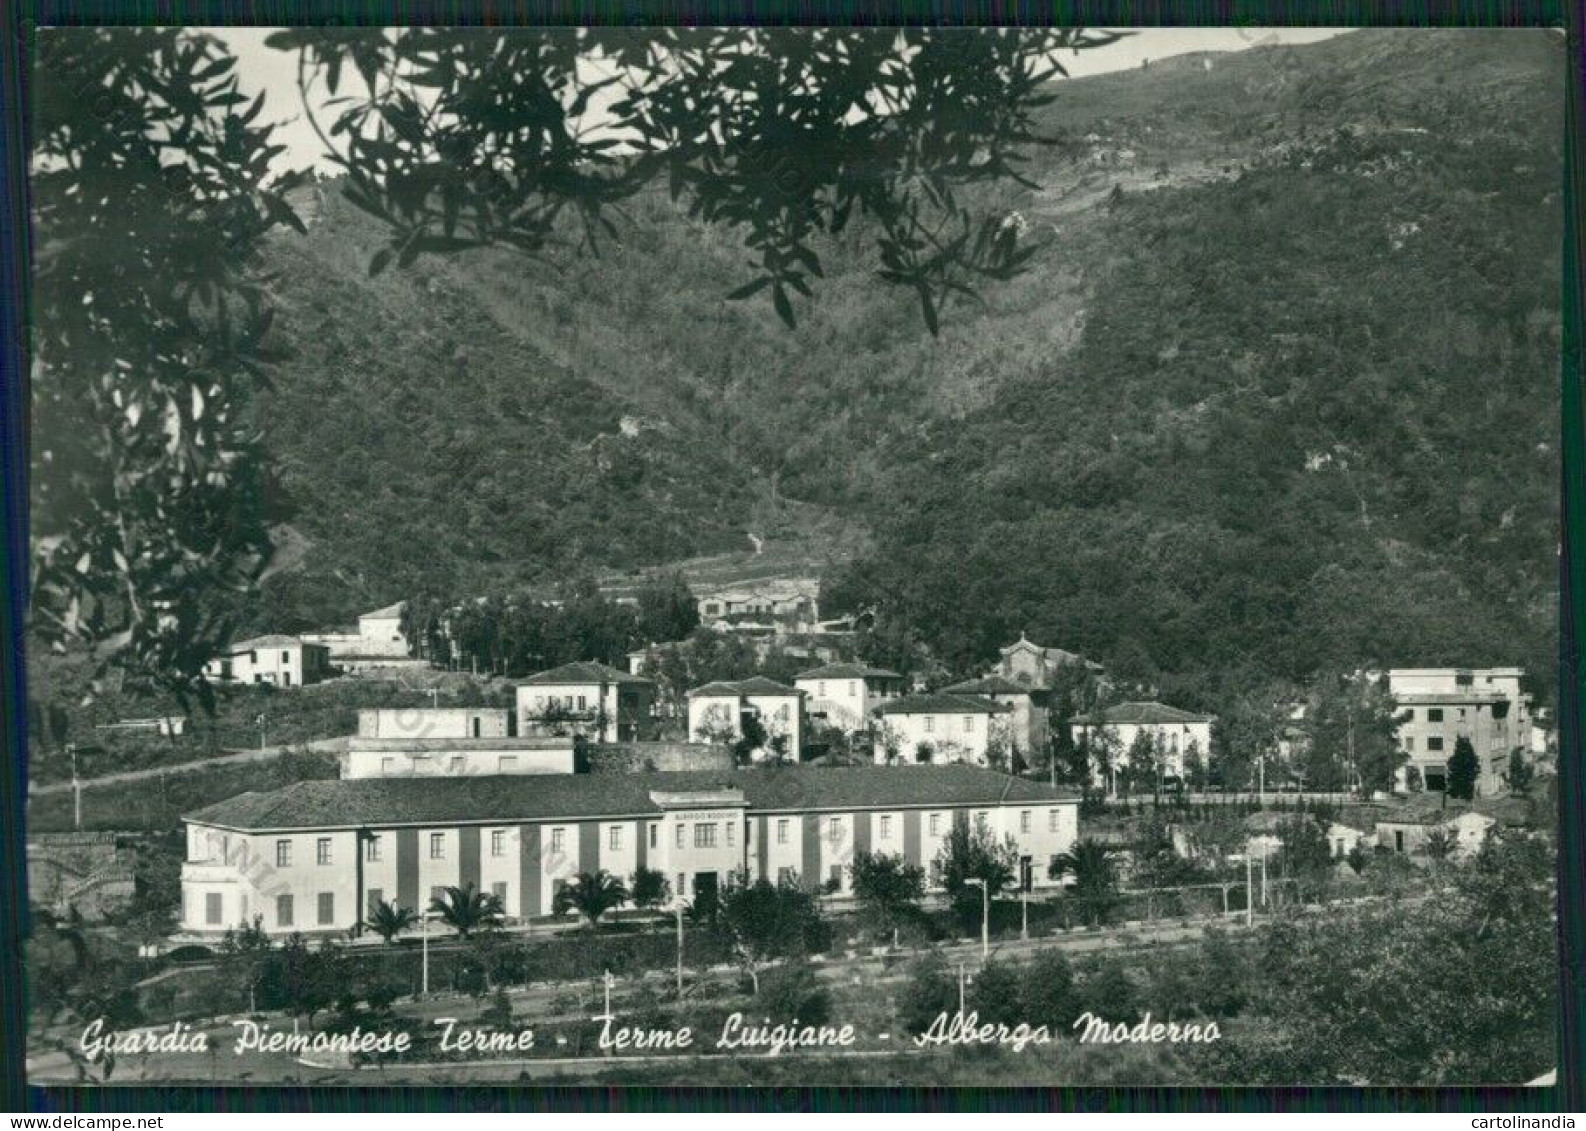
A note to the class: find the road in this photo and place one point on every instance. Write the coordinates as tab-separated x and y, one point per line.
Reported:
546	1004
231	758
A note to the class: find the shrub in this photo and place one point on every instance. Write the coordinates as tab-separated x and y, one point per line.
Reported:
932	989
793	992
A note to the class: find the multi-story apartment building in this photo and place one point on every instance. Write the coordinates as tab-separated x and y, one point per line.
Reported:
284	661
1174	732
1439	705
943	728
717	712
1029	729
316	855
845	696
586	698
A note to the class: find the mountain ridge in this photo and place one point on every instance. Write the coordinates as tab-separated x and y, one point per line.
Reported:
480	432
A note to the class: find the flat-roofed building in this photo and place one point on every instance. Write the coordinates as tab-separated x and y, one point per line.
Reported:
1438	706
276	659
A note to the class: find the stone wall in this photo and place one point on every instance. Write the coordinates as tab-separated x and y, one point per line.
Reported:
635	757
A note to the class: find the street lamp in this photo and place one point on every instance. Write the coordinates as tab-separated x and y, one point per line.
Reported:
985	915
1025	867
677	906
424	990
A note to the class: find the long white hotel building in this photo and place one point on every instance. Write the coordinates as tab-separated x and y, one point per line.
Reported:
314	856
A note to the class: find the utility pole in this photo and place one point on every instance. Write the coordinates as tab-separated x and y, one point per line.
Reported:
1250	903
424	983
678	905
1263	874
608	1014
77	789
964	978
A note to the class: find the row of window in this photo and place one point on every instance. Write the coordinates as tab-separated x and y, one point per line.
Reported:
455	764
930	724
325	902
1434	742
705	835
285	910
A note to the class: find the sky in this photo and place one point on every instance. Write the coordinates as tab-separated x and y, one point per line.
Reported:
275	72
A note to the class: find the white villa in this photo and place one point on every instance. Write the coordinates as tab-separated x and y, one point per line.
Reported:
717	711
845	696
943	728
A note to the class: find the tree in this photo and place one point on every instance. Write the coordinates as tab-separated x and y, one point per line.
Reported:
667	610
1100	750
1304	852
1000	995
1463	770
792	993
1144	762
752	737
466	910
888	887
650	888
1350	733
1520	774
1050	995
1095	881
147	495
930	991
1248	735
1339	1007
1110	992
971	851
763	922
244	956
388	920
591	895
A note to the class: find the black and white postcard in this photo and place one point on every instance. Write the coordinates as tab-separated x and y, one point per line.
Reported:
787	557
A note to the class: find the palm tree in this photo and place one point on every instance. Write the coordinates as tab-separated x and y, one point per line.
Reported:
1090	863
466	909
389	920
591	895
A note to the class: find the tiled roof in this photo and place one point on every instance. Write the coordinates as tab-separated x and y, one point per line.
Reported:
583	672
757	685
848	671
385	613
942	704
990	685
1424	809
1138	713
387	802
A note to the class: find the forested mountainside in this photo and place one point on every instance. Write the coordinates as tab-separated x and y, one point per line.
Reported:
1280	393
